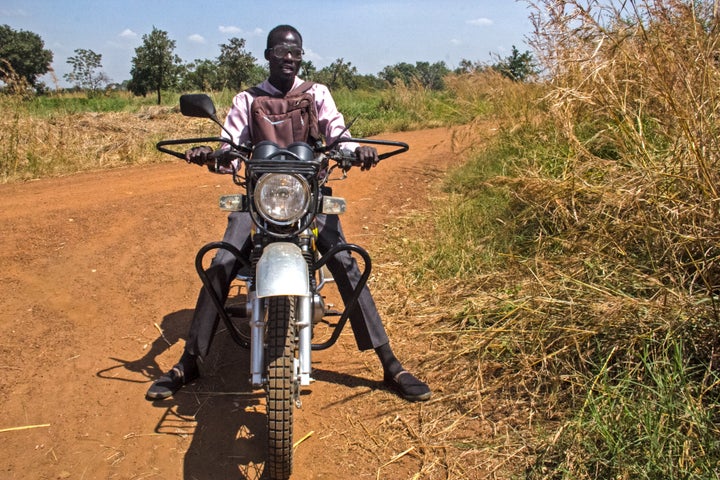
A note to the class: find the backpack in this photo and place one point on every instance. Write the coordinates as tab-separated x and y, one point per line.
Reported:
284	119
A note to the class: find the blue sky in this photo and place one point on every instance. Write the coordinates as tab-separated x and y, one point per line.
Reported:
370	34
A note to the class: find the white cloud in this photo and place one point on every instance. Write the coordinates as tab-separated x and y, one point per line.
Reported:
312	56
456	41
230	30
480	22
127	33
233	30
196	38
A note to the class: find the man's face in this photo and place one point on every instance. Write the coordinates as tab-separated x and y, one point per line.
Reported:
284	56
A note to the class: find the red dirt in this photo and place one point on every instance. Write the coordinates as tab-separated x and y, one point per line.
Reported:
95	266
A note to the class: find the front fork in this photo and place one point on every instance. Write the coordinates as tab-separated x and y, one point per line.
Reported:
257	340
307	309
304	329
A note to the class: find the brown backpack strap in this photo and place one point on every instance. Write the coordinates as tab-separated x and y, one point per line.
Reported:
257	92
302	88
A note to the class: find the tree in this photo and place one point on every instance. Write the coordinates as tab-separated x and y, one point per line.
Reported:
400	72
155	65
200	75
517	66
431	75
468	66
25	53
258	73
339	74
426	74
308	71
85	64
235	65
369	82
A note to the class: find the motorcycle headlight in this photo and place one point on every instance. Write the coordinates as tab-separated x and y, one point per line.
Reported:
282	198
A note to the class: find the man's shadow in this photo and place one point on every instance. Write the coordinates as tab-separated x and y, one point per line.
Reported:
221	413
229	431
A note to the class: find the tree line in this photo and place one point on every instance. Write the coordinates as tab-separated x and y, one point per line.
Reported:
156	68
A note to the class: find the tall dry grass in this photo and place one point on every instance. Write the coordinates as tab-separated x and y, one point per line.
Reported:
635	89
568	281
636	92
61	143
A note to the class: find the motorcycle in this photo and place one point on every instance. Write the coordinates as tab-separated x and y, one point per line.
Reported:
284	190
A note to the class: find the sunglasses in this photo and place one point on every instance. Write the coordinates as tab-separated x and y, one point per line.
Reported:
281	51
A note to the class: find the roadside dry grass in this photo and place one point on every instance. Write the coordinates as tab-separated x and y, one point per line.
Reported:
33	147
64	135
568	280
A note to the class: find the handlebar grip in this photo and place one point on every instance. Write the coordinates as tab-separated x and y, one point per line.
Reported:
217	154
347	160
218	161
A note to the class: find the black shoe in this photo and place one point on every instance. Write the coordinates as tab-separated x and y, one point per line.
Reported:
408	387
172	381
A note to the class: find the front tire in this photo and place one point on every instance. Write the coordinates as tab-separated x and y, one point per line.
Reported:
281	385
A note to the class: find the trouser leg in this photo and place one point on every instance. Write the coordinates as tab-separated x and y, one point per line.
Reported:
221	273
364	318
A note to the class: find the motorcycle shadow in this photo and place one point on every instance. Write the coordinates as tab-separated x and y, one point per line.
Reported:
173	328
220	413
223	416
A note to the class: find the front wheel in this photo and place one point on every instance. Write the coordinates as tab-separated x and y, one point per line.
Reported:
281	385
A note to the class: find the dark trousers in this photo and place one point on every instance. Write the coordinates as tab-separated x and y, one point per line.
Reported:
364	319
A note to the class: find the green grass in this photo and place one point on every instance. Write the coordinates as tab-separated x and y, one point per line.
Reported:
398	109
650	418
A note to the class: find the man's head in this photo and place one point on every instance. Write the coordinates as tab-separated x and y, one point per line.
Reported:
284	54
278	33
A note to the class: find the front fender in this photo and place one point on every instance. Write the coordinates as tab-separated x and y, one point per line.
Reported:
282	271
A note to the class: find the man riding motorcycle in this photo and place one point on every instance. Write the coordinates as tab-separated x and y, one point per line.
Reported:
284	54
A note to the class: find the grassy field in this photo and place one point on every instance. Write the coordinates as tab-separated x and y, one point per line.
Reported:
574	262
64	134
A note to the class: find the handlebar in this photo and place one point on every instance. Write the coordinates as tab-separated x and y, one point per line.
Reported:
201	106
162	145
402	147
345	160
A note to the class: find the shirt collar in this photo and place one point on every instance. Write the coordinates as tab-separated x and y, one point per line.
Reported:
270	88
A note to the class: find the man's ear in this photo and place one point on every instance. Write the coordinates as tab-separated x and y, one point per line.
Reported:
267	54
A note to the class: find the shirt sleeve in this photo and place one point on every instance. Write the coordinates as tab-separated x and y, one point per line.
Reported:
237	121
237	125
330	120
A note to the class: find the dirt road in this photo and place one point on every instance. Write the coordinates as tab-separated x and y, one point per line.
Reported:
98	288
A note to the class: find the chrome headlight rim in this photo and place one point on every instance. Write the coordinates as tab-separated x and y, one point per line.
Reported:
282	198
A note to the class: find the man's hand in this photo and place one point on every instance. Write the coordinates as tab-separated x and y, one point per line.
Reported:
198	155
367	157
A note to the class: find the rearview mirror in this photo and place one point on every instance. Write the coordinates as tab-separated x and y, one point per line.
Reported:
197	105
